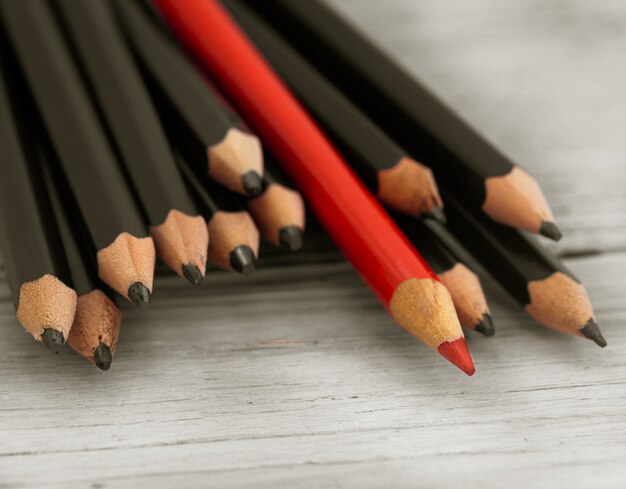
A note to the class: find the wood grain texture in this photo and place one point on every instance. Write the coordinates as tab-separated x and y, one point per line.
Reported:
309	384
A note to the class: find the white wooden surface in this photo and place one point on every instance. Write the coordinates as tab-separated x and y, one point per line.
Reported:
308	383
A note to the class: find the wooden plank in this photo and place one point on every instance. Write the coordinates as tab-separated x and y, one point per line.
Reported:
311	373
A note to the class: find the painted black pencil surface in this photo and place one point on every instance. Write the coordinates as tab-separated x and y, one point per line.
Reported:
97	322
462	283
231	156
36	268
398	181
234	239
125	254
536	279
179	233
462	159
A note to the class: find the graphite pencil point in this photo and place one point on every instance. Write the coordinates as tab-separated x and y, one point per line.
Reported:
550	230
53	339
291	238
437	214
457	353
139	294
252	183
102	357
242	259
485	327
193	274
592	332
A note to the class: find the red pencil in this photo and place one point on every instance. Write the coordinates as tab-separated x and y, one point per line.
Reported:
369	239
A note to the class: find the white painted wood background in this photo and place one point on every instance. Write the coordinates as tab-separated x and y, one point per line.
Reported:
308	383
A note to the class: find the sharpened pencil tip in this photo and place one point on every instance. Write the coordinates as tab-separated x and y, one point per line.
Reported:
103	357
550	230
242	260
139	294
252	184
291	237
53	340
457	353
485	327
437	214
592	332
193	274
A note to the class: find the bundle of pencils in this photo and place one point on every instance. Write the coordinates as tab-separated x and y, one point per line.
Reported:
120	150
97	114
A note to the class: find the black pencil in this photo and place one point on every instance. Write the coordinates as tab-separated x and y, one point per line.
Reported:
36	268
125	254
460	280
179	233
234	239
547	290
399	182
97	322
231	156
279	211
462	159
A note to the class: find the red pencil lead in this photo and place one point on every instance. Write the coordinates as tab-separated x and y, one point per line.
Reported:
457	354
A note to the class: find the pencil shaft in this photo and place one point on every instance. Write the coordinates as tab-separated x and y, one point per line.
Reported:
193	116
28	237
173	76
427	243
127	108
37	271
200	119
97	321
71	120
80	258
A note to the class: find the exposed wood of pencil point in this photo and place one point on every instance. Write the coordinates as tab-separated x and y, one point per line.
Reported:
561	303
46	303
424	308
96	328
237	162
181	242
515	199
276	210
230	231
469	298
409	187
126	262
